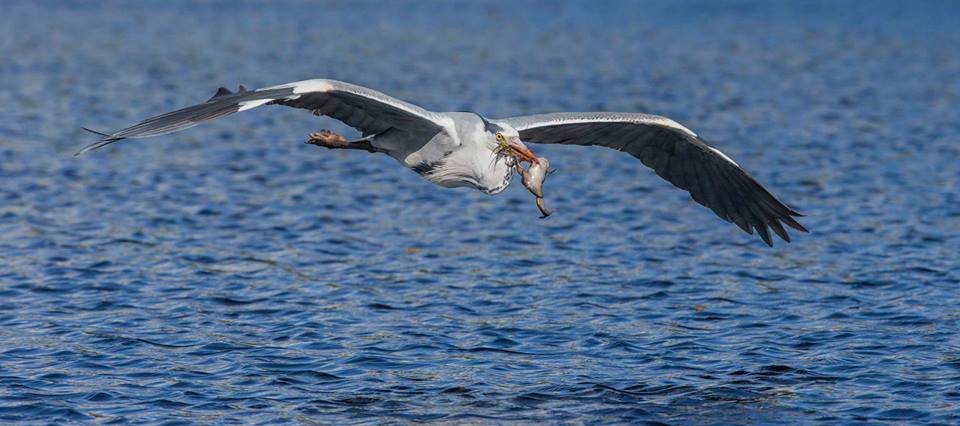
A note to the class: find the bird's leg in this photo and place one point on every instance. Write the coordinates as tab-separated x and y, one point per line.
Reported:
328	139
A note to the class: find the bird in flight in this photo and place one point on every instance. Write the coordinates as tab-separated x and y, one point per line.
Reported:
465	149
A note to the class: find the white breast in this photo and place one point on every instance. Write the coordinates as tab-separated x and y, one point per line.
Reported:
475	167
465	158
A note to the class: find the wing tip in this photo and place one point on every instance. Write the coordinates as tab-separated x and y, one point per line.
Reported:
764	233
791	222
778	229
776	224
88	148
107	140
96	132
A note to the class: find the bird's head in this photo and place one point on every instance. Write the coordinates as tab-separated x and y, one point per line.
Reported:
509	143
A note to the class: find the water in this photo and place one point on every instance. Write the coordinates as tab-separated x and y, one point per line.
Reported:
231	274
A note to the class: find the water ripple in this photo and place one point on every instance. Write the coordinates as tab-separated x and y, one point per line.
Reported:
231	274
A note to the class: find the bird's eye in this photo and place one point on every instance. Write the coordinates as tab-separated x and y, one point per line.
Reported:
500	137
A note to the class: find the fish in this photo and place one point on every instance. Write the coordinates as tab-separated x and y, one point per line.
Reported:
533	179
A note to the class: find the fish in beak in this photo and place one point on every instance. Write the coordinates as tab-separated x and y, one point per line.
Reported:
518	149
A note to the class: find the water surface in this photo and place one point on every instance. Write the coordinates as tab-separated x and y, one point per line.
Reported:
231	274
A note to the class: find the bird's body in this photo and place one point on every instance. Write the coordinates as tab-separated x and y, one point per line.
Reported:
464	149
461	155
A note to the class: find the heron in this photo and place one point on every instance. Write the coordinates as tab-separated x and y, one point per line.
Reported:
466	149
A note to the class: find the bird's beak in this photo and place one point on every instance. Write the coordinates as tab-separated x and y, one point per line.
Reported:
521	150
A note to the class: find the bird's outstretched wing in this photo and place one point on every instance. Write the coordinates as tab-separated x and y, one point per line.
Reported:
366	110
676	154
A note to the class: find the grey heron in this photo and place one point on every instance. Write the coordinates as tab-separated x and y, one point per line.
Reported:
465	149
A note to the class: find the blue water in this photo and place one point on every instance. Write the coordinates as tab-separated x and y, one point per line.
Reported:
231	274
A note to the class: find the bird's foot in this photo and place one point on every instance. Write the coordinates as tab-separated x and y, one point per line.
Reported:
327	139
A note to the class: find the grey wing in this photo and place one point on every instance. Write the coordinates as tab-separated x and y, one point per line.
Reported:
364	109
676	154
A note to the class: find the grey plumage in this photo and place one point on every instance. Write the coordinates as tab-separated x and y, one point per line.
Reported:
675	154
459	149
222	103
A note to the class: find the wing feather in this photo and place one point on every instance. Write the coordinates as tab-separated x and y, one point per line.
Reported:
677	155
364	109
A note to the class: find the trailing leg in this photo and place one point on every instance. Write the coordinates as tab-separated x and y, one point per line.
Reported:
328	139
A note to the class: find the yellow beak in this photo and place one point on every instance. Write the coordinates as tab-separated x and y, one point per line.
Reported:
521	150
